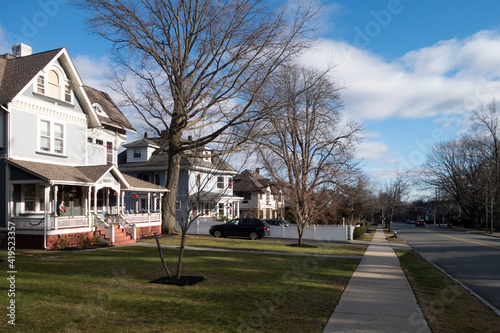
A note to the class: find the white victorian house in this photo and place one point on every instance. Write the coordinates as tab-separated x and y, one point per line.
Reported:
205	187
58	153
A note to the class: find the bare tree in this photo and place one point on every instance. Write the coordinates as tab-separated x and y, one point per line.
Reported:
197	65
486	136
395	191
453	166
305	146
199	190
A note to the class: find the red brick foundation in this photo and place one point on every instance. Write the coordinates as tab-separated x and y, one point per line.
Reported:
148	231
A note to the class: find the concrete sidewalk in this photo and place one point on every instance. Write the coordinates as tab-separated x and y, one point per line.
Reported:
378	297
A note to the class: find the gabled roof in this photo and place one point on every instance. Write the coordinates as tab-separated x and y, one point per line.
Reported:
82	175
159	159
16	73
115	116
250	181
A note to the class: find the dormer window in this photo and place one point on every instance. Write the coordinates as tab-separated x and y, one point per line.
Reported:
55	85
99	110
40	85
67	94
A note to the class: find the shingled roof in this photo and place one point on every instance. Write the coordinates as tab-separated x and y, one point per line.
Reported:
159	158
80	175
250	181
16	73
115	116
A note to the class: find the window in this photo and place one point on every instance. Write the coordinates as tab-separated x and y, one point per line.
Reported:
137	153
54	85
220	182
146	177
99	142
40	85
99	110
230	182
45	135
51	137
109	152
198	179
67	94
89	139
29	197
221	209
157	179
58	138
33	196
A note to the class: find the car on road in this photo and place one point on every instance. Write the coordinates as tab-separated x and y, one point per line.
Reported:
410	222
279	222
420	223
241	227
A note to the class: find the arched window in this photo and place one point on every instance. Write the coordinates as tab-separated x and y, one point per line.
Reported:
54	85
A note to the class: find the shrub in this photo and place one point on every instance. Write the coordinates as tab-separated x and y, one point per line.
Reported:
358	232
83	241
61	243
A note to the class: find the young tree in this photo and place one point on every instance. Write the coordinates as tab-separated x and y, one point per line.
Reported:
197	65
304	145
199	192
395	191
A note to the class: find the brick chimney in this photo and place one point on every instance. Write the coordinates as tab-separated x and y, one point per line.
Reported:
21	50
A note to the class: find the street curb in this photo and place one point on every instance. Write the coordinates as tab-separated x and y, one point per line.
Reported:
485	302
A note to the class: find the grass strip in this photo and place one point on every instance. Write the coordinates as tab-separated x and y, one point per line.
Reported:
446	305
262	245
109	291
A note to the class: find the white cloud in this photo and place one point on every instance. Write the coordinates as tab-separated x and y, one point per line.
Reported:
448	78
375	151
5	46
92	71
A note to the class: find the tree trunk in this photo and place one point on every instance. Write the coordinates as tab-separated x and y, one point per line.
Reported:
172	184
181	254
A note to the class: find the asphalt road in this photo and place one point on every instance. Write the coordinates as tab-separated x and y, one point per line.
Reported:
472	259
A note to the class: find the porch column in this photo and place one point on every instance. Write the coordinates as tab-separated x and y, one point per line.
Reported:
95	200
149	202
118	206
46	215
123	202
108	210
55	201
88	200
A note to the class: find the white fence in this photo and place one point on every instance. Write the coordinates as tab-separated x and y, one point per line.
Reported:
327	233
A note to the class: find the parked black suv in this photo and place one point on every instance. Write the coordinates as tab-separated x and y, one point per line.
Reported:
243	227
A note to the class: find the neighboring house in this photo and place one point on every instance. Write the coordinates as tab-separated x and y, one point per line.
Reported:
260	198
58	153
205	182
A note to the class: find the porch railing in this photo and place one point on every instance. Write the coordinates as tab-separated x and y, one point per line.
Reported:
131	228
108	230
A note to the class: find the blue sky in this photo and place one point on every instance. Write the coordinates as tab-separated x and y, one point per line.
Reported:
412	69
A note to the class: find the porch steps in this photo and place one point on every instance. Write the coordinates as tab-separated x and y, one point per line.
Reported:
122	237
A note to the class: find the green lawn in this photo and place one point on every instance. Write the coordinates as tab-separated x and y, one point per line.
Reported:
263	245
109	291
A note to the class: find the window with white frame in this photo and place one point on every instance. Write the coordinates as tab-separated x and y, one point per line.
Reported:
220	182
33	197
51	137
54	84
